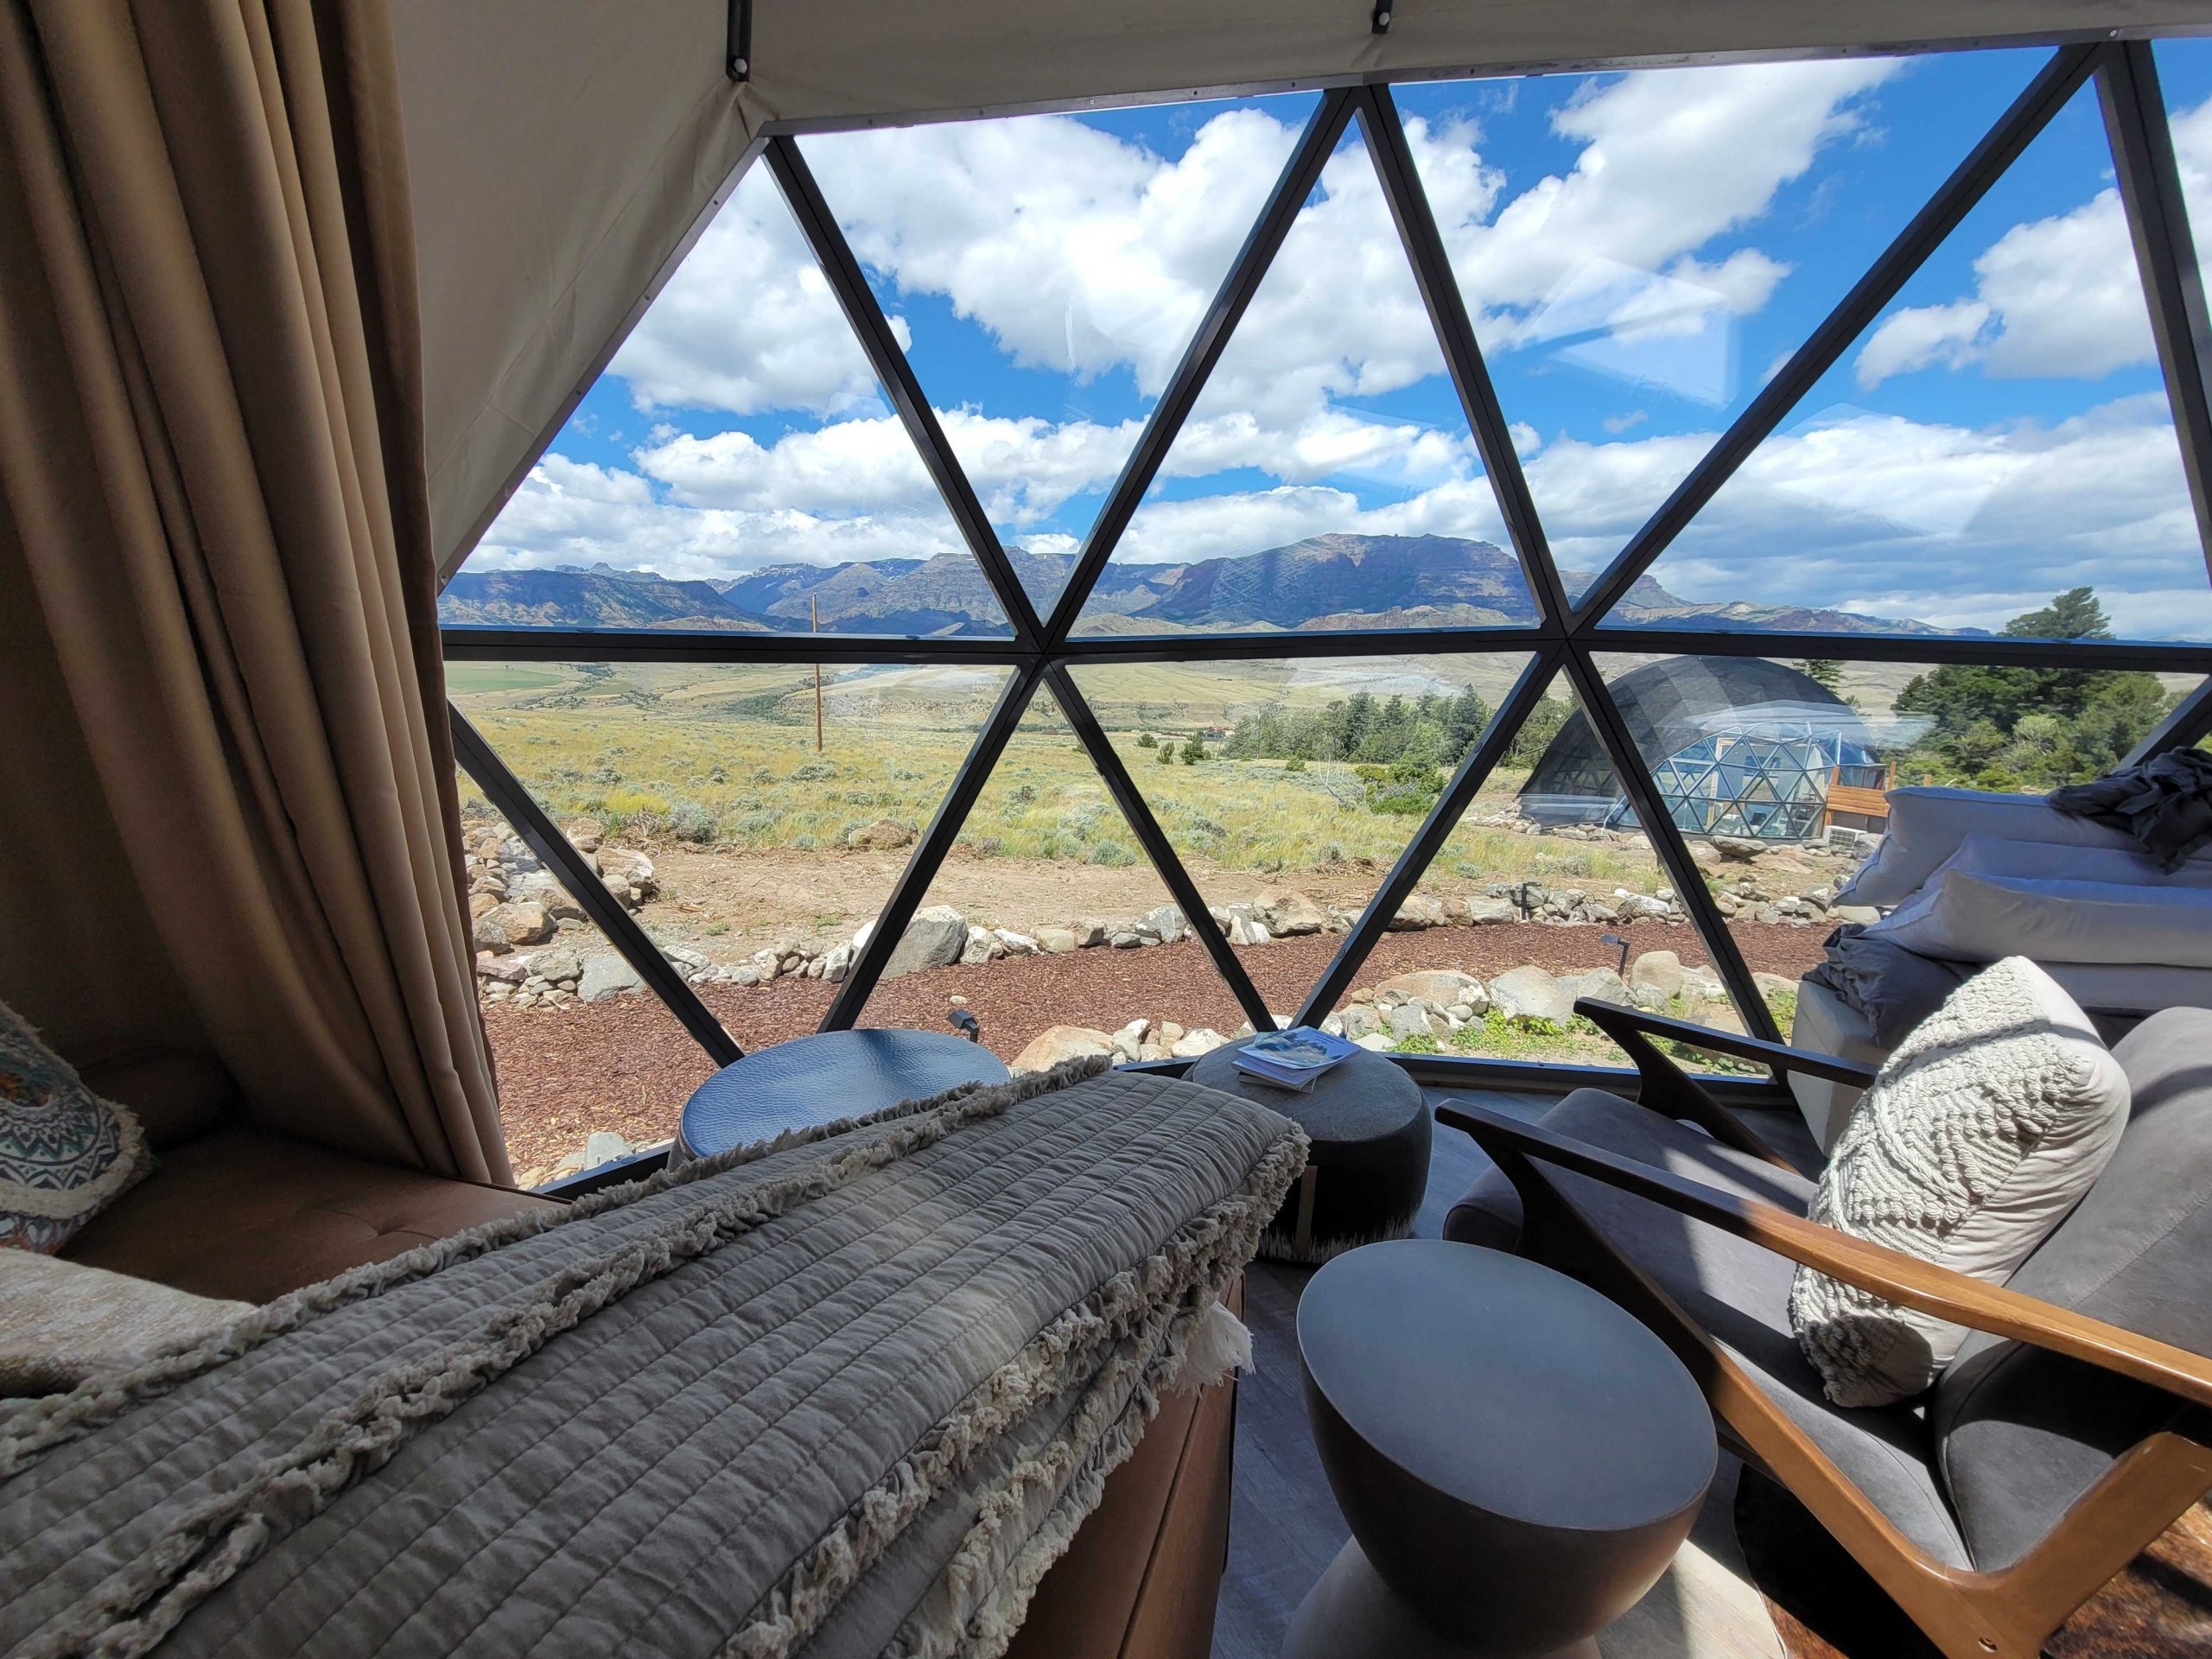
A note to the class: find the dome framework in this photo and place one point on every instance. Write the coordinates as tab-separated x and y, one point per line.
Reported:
1715	777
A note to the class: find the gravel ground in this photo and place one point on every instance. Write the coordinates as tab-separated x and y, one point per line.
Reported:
627	1064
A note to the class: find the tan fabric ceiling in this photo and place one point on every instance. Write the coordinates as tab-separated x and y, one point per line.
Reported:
564	149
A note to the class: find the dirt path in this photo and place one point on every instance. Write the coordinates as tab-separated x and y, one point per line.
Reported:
627	1064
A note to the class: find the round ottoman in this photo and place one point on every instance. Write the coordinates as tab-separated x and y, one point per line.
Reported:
1369	1169
819	1079
1518	1458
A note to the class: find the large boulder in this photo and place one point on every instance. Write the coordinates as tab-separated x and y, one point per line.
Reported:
509	927
629	875
1602	983
1285	913
1057	1043
1058	941
1774	984
1411	1020
605	976
1191	1043
1529	996
1488	912
1162	922
935	938
1418	910
1657	971
559	965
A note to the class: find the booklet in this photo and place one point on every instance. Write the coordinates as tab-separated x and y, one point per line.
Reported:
1296	1059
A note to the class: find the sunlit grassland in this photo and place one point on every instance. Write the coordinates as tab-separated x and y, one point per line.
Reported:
725	755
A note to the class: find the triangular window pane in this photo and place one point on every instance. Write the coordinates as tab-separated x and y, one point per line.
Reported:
736	470
1640	252
1290	788
1546	863
746	853
2185	76
2000	435
1048	272
620	1065
1045	914
1326	478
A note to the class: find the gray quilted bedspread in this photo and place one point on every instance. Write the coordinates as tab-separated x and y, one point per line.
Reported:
848	1396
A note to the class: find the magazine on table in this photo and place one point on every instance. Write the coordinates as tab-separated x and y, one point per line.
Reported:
1297	1059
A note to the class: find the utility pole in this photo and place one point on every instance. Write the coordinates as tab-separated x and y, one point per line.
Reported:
814	622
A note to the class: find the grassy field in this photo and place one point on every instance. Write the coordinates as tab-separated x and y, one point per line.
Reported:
726	757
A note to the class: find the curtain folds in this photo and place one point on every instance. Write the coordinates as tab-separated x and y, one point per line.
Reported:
212	460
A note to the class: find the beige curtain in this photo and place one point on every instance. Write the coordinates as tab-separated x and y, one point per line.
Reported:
212	473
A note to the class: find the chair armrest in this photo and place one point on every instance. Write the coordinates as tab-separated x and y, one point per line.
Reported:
1875	1268
1614	1019
1666	1088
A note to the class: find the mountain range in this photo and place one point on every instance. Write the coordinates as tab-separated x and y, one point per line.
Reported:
1325	581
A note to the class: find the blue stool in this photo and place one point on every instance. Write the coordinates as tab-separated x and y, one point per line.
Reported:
822	1079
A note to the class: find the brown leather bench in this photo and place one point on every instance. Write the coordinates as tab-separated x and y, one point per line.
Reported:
233	1211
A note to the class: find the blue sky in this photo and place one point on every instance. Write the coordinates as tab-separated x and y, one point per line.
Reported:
1639	251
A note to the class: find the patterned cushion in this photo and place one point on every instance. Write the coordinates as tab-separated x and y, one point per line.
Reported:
1983	1130
65	1153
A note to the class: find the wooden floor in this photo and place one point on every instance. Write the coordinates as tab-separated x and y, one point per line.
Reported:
1284	1525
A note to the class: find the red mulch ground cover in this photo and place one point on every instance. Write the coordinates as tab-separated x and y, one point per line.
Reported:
627	1063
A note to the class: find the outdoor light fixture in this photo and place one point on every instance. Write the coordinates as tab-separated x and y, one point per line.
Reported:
1615	938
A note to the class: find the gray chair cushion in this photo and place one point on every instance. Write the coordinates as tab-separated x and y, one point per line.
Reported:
1737	1291
2022	1434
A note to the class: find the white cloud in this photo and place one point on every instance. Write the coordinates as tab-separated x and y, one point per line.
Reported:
570	513
747	322
1959	526
2059	295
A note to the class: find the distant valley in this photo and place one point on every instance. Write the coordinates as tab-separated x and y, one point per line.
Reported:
1331	582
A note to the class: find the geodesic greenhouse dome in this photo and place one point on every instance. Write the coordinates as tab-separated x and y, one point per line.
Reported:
1742	747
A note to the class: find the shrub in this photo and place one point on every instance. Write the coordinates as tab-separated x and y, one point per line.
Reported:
689	821
1194	749
1021	795
1296	763
1146	740
1112	855
1167	754
605	774
757	824
803	841
1419	1043
813	772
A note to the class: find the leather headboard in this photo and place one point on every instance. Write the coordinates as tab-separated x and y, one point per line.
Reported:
177	1096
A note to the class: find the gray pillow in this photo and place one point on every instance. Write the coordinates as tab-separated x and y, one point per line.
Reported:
1980	1132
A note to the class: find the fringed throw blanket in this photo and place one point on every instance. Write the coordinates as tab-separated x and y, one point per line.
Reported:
848	1394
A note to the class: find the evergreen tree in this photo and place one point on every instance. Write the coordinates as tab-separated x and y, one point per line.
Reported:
1194	750
2030	728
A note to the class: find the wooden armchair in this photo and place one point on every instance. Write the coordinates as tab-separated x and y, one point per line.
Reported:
2065	1437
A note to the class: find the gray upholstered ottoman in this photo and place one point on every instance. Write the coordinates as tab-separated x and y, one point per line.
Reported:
1369	1170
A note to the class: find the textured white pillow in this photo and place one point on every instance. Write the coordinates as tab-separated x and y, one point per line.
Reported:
1927	824
1965	917
1978	1136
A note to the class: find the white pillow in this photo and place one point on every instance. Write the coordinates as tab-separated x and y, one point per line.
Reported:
61	1321
1963	917
1978	1134
1927	824
1982	854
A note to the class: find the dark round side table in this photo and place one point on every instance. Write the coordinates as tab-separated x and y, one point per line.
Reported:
819	1079
1518	1458
1368	1168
